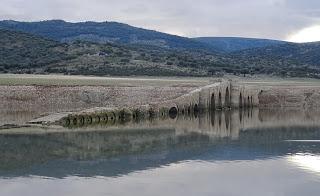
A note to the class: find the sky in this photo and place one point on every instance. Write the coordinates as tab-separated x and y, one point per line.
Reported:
292	20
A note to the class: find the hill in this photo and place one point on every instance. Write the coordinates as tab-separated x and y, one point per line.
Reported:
26	53
103	32
290	59
113	32
23	51
232	44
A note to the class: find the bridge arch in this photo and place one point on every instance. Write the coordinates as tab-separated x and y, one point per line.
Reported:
219	101
220	119
189	110
213	116
173	112
227	99
244	103
240	100
213	102
196	108
227	118
183	110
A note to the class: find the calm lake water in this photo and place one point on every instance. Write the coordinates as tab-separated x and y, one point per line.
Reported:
253	152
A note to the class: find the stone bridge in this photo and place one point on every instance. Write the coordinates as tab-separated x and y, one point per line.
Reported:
221	95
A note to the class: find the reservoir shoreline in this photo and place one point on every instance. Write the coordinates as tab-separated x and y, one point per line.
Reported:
22	103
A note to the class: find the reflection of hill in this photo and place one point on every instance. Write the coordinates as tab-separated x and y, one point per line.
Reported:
30	149
274	135
109	153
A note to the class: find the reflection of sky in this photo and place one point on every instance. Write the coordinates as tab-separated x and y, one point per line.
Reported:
267	177
309	162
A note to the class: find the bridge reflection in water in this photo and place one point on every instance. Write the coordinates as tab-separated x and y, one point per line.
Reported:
117	149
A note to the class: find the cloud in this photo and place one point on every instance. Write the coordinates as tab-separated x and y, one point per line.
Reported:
310	34
248	18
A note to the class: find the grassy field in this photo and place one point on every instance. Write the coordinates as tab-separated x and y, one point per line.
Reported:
61	80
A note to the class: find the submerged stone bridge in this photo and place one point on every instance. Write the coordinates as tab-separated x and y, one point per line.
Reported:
221	95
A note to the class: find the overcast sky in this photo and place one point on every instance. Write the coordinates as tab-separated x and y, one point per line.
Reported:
276	19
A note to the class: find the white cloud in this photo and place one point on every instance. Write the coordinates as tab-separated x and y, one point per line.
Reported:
310	34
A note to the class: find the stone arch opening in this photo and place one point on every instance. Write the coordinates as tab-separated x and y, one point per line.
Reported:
220	101
103	118
74	121
112	116
248	102
152	113
189	109
173	112
251	101
240	101
213	102
81	120
66	122
227	117
213	116
96	119
227	98
196	109
88	119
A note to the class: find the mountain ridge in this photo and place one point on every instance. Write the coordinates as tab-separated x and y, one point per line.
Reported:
232	44
104	32
22	52
115	32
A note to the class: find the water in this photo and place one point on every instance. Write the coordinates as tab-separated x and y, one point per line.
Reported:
254	152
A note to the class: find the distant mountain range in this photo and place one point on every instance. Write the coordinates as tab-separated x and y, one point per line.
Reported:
103	32
26	53
113	32
233	44
303	54
110	48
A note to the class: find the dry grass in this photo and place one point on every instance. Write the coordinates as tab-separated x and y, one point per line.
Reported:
61	80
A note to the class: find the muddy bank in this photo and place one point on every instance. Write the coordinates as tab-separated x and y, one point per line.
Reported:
305	97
